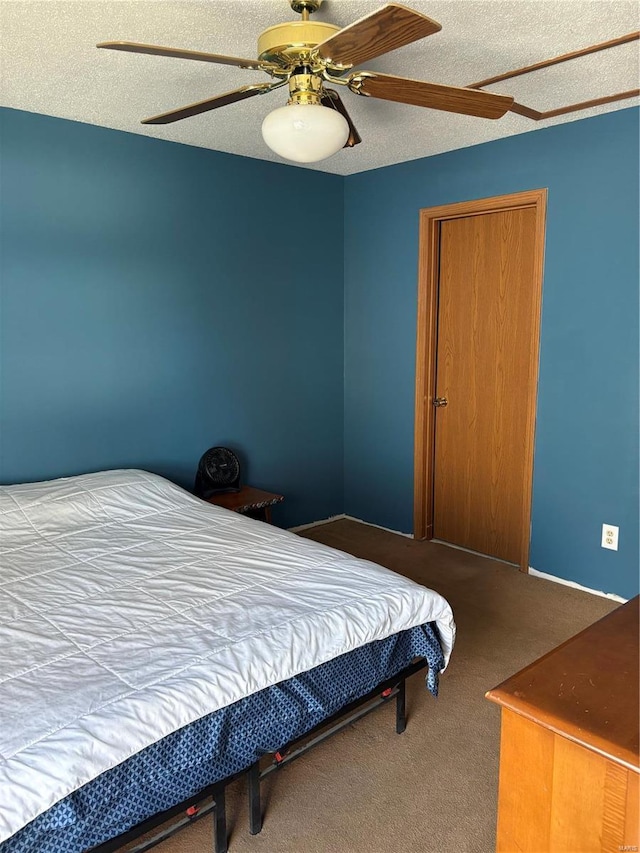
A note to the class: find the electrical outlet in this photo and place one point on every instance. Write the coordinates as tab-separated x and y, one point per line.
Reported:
610	536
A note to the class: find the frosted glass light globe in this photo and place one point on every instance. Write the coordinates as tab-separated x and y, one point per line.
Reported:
305	133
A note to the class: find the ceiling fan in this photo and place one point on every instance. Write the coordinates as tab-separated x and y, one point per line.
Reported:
305	54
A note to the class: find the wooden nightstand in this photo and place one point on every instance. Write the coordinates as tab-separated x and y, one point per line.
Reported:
255	503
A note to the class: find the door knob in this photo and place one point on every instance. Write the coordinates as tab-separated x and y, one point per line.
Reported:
440	402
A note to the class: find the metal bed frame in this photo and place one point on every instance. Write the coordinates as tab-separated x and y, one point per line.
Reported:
193	809
391	688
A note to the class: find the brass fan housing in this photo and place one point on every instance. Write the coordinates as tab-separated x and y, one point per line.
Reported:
289	45
305	89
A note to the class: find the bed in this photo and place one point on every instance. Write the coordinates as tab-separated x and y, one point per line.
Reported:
147	635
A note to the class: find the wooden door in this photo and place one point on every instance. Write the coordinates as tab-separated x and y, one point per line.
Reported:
484	365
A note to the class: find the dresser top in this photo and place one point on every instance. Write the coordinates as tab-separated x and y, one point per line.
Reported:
587	688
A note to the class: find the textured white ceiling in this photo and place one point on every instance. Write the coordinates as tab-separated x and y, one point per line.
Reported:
50	65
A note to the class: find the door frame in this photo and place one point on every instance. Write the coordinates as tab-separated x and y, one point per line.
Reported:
427	339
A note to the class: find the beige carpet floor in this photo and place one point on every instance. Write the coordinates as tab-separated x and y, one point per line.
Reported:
432	789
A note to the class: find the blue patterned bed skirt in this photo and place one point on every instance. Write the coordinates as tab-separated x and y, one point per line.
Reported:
222	743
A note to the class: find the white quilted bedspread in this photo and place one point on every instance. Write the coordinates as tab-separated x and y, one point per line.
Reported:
129	608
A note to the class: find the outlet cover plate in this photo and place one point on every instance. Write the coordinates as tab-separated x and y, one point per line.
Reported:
610	536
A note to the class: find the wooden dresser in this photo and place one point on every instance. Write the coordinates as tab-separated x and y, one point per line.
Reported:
569	765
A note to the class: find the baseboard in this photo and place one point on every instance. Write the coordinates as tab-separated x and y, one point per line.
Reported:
536	574
316	523
343	517
378	526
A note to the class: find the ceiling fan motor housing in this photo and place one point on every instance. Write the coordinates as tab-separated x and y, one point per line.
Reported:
291	44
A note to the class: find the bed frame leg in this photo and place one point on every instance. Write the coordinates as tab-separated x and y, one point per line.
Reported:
255	808
401	718
220	821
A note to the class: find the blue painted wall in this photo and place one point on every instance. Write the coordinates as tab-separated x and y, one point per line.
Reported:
152	306
586	458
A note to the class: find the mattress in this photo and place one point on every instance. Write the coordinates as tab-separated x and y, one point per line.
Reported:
130	609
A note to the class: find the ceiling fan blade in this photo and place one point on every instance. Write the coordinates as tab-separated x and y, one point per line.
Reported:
177	53
391	27
332	99
453	99
210	104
